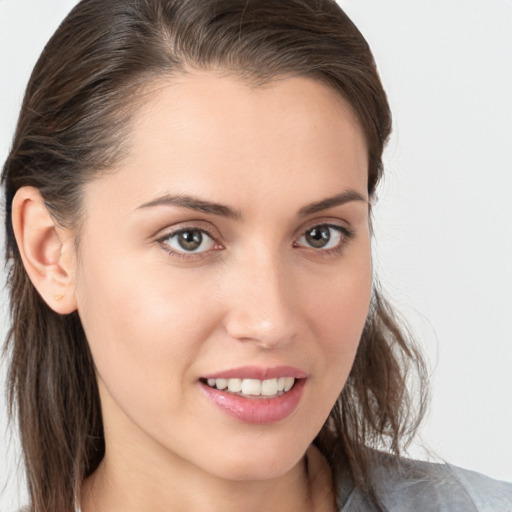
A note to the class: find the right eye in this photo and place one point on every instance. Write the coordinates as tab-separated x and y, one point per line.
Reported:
188	240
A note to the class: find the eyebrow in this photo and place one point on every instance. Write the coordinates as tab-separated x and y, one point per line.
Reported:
193	203
339	199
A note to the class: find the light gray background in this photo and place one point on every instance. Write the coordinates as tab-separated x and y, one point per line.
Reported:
443	244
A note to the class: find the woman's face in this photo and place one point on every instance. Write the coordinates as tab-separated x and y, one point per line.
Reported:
232	244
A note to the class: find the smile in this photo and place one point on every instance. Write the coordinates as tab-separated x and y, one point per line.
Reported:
252	388
256	395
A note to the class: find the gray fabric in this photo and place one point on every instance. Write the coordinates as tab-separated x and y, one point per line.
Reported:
426	487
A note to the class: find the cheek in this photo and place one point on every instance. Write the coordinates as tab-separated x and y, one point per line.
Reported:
338	312
141	324
335	310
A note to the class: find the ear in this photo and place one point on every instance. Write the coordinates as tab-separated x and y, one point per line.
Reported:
46	249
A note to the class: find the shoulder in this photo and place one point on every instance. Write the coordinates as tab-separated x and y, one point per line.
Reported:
486	493
416	485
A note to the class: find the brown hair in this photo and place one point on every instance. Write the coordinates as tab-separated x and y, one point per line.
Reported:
74	118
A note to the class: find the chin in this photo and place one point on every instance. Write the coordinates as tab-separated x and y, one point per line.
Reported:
259	464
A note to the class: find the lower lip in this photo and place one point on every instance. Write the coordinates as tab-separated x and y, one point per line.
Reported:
259	411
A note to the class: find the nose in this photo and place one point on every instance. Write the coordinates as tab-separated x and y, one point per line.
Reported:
262	305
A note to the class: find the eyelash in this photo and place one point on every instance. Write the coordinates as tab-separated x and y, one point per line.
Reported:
184	254
345	236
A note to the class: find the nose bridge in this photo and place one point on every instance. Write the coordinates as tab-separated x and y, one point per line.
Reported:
261	305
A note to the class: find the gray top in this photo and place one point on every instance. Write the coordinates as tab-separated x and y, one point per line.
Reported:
427	487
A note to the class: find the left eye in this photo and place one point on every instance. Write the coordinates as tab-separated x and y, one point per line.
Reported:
323	236
189	241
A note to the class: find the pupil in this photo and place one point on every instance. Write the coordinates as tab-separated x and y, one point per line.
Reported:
190	240
318	237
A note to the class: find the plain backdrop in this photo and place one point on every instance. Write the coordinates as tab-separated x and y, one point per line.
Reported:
443	235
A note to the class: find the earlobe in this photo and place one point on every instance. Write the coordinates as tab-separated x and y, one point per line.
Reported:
46	250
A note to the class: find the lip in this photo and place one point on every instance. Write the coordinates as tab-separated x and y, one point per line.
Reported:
256	372
257	411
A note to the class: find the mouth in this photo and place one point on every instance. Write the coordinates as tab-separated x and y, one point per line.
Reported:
252	388
256	395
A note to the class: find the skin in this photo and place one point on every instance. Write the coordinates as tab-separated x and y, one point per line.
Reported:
259	294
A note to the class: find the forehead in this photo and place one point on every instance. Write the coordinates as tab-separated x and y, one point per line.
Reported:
214	135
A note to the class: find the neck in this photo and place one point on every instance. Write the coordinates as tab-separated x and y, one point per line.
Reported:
182	489
121	485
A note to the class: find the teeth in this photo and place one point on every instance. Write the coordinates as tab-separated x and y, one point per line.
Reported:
269	387
288	383
251	387
219	383
235	385
254	387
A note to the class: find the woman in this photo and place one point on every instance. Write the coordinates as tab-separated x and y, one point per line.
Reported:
195	320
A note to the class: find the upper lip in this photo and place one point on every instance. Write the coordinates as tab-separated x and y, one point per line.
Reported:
257	372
